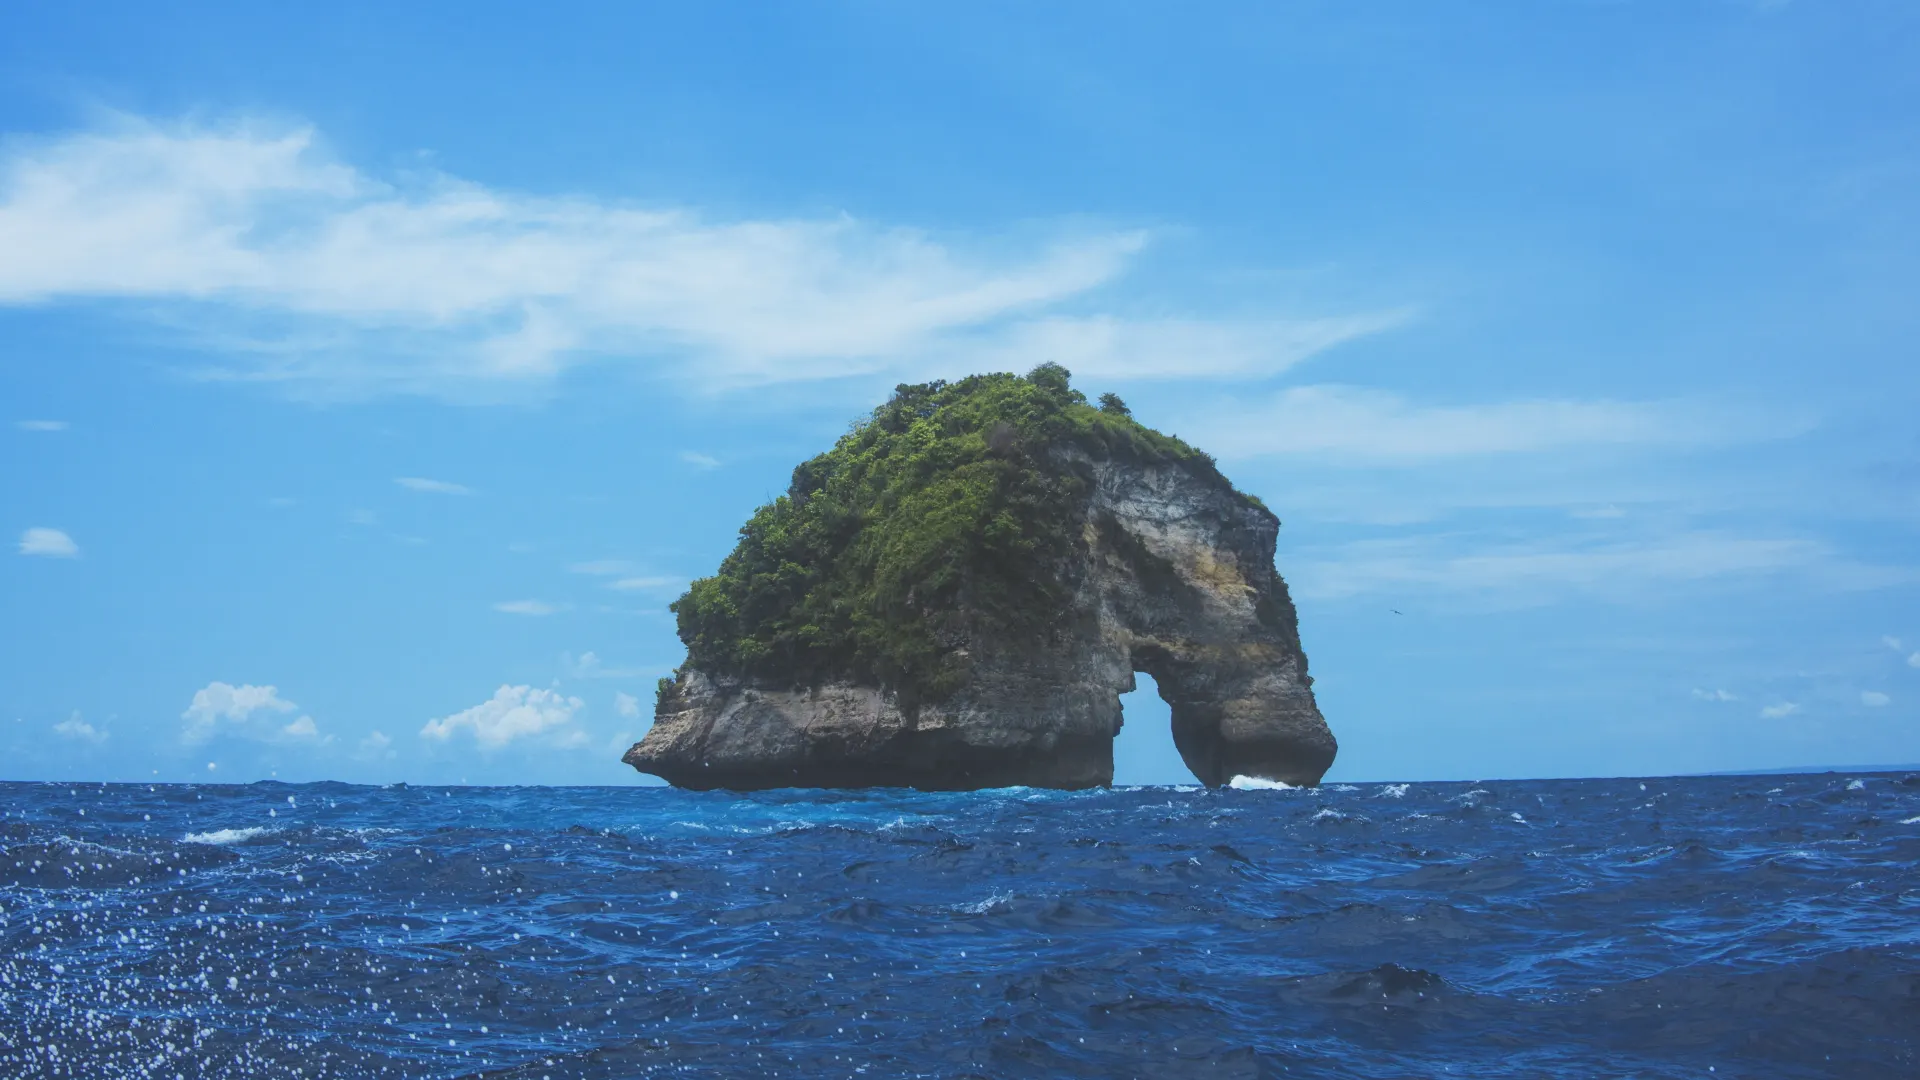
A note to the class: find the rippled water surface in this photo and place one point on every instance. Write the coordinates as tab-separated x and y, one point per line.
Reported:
1755	926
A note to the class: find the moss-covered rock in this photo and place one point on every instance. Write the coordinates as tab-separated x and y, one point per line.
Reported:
957	593
952	513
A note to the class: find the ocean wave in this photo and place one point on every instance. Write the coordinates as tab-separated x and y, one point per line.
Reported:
226	837
579	934
1260	783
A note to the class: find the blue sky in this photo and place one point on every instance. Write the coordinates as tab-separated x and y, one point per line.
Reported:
373	379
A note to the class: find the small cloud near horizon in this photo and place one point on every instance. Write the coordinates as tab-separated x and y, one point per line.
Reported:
41	425
222	706
632	583
48	543
73	727
590	666
601	567
1775	712
525	607
435	487
511	714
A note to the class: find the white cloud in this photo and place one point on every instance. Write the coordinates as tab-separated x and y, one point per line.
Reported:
1893	643
362	517
626	705
1914	660
1874	698
590	666
49	543
525	607
631	584
377	745
219	704
601	567
1775	712
41	425
311	270
514	712
437	487
699	460
75	728
1714	695
1357	424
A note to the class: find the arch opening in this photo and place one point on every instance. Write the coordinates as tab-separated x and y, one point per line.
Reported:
1143	751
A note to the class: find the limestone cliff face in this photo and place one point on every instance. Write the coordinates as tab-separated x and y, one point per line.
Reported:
1174	577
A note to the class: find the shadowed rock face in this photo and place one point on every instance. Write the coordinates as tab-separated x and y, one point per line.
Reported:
1174	577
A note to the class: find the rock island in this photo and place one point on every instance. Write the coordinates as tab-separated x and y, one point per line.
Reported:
956	594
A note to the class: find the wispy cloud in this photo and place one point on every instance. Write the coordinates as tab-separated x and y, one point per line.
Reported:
1355	424
590	666
1714	695
1874	699
1776	712
630	584
601	567
48	543
436	487
243	710
526	607
375	747
1115	347
514	713
307	269
1540	570
626	705
699	460
41	425
73	727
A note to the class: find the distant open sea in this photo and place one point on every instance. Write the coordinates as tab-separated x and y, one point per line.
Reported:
1753	926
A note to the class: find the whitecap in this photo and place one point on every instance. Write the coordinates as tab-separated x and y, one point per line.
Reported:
1393	791
1914	820
225	836
981	907
1259	783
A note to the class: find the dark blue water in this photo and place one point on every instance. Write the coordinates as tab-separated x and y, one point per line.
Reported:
1727	927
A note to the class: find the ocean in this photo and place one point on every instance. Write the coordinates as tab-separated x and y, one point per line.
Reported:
1754	926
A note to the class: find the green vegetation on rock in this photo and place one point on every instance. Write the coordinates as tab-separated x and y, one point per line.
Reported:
946	516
